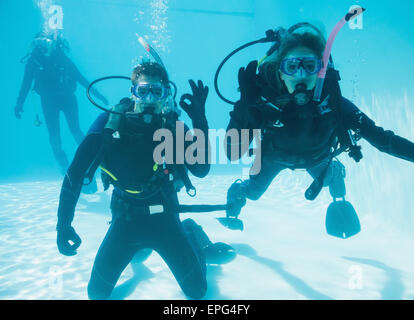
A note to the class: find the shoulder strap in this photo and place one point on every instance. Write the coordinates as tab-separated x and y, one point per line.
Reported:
347	142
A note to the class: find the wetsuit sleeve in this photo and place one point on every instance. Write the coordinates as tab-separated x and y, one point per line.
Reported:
73	181
201	164
384	140
242	118
28	76
99	124
76	73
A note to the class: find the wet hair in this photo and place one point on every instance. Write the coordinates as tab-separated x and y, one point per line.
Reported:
269	69
61	44
151	69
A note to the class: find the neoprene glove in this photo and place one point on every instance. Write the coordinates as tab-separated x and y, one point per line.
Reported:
64	235
249	95
196	109
249	90
17	111
123	106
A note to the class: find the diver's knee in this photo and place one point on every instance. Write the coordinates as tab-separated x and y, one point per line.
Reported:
197	291
98	287
197	236
189	224
254	195
98	293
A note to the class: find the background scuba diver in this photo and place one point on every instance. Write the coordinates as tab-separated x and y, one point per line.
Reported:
144	200
55	77
298	132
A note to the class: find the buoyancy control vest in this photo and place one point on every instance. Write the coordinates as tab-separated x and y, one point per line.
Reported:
318	129
126	161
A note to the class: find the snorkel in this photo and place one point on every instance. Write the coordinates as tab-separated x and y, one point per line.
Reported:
151	51
275	36
272	36
327	52
169	104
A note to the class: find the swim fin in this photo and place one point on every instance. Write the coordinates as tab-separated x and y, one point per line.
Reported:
341	220
231	223
219	253
214	253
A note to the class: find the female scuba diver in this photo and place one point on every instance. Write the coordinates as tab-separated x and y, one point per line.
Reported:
298	131
55	77
144	204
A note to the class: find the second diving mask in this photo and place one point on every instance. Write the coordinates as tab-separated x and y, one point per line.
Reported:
158	91
44	44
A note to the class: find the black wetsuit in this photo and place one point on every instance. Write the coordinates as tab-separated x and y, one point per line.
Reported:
303	137
55	79
129	160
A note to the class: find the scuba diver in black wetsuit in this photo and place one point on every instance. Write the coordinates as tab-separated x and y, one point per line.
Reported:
55	77
299	130
144	201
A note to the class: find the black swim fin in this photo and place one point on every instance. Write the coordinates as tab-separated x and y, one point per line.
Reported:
231	223
341	220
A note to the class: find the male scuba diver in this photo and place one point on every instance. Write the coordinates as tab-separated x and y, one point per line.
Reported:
55	77
144	204
299	131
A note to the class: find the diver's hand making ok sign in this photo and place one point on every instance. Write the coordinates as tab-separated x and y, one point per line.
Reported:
196	108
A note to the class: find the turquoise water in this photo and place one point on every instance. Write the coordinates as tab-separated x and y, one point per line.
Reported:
192	38
376	64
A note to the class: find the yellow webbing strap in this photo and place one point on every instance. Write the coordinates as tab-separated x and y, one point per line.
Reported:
261	60
108	173
115	179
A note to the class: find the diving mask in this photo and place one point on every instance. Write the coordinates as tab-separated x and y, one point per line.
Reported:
311	65
44	44
157	90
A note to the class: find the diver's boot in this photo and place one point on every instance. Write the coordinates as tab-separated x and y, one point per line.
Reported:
219	253
341	218
236	198
215	253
